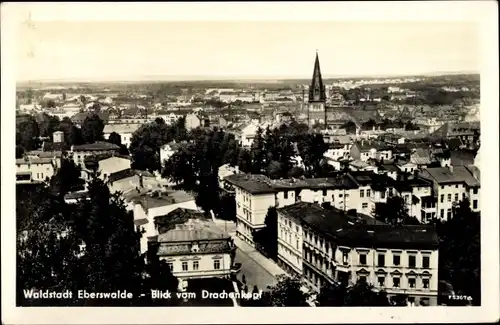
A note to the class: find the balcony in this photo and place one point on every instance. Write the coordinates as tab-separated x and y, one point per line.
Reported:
236	268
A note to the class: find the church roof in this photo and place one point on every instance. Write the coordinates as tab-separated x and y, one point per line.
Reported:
317	89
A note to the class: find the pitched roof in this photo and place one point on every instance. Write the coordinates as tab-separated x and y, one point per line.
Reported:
443	175
55	146
33	160
176	217
253	183
317	89
121	128
96	146
388	236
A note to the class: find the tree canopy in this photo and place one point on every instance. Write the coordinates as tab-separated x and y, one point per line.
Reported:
92	129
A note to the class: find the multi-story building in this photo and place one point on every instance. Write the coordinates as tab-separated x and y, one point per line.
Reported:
451	185
35	169
194	248
326	246
80	152
124	130
364	150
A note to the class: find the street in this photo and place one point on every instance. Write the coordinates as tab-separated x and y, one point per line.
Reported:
258	269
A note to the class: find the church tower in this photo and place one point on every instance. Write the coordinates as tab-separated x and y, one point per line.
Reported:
317	93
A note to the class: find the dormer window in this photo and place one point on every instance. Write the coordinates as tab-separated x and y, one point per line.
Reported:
195	248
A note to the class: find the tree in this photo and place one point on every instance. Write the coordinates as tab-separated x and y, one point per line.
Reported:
92	129
115	138
361	294
459	251
27	134
67	178
394	212
48	124
296	172
227	207
159	120
244	161
257	153
274	170
75	136
288	292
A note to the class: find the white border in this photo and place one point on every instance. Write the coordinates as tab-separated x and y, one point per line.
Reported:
484	12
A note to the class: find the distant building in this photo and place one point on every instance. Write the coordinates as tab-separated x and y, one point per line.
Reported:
168	150
79	118
196	120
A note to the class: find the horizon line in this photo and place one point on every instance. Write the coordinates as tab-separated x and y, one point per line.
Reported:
191	78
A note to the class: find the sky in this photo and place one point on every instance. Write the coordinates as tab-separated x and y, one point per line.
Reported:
146	50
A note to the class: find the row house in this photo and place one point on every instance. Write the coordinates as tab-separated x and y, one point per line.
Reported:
364	150
255	194
325	246
451	185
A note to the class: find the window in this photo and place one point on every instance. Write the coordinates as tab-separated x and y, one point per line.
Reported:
362	278
448	214
411	282
442	198
361	193
425	262
425	283
196	265
341	195
456	186
368	193
285	194
170	266
217	264
381	281
184	266
456	196
362	259
396	260
475	190
474	204
411	301
449	197
381	260
382	195
463	195
442	213
411	261
364	205
324	192
345	258
297	244
395	282
442	187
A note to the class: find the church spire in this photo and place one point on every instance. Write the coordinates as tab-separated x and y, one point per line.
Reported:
317	89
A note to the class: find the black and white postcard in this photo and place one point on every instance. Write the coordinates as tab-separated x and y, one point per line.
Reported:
235	155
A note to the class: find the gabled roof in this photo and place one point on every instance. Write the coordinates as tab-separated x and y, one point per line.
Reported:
96	146
444	175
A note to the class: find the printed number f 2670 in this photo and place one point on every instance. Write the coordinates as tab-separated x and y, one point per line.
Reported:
460	297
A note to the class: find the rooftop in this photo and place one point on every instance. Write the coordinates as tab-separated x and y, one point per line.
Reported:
33	160
96	146
159	198
459	174
121	128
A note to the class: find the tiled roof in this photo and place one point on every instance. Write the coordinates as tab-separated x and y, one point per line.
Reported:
33	160
421	157
96	146
387	236
443	175
255	184
44	154
55	146
121	128
462	157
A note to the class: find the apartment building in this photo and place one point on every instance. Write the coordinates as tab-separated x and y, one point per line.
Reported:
399	260
80	152
451	185
194	247
35	169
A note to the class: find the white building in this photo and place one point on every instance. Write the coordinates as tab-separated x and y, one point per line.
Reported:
451	185
195	248
324	246
124	130
168	150
35	169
